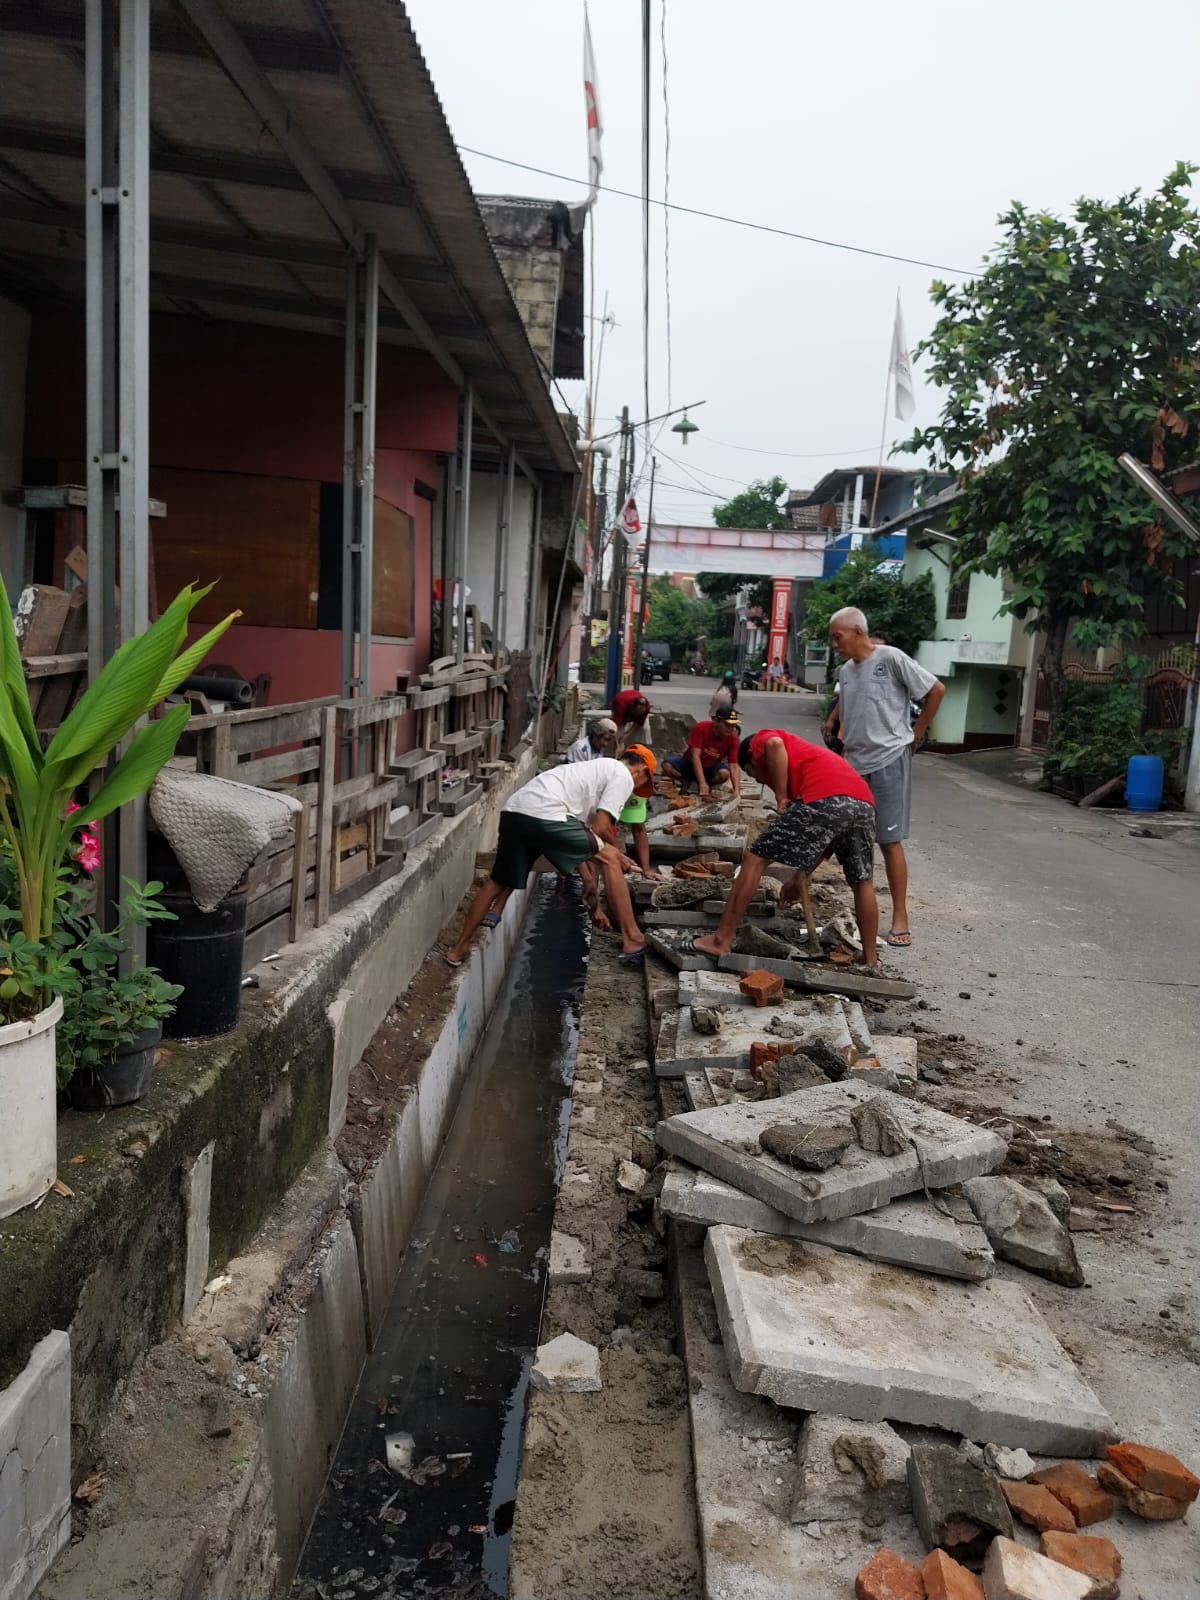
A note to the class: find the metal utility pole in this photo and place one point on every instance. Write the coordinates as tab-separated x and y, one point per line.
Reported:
641	611
598	513
616	581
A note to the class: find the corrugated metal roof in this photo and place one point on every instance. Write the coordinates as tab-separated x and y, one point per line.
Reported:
235	231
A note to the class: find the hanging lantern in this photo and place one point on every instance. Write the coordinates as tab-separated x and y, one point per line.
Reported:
685	426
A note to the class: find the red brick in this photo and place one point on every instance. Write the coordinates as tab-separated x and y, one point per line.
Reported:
888	1576
764	988
761	1053
1037	1507
1078	1490
1151	1507
944	1579
1154	1471
1098	1559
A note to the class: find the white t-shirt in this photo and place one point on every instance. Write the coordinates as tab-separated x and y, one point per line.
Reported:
577	791
582	750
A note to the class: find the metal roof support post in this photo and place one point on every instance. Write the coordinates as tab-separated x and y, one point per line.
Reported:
366	492
350	421
117	221
504	511
466	445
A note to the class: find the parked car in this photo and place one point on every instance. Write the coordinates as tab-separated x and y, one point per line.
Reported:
660	654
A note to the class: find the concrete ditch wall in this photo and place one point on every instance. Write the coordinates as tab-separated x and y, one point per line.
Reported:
172	1191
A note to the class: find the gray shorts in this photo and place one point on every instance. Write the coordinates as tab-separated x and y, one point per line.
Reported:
892	788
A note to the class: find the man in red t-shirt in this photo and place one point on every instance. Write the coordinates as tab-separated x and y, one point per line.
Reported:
824	809
710	755
630	711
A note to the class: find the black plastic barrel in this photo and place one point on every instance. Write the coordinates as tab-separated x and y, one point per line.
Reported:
203	951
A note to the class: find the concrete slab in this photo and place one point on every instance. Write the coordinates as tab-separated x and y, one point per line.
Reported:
744	1449
681	1048
813	1328
896	1054
35	1466
823	979
698	1091
568	1260
906	1233
846	1468
724	1142
666	948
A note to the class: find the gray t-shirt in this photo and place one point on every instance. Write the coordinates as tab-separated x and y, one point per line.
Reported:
874	697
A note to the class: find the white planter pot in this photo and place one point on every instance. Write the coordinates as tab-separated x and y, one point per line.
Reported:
28	1109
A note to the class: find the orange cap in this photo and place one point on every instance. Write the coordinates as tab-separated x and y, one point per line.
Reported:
641	753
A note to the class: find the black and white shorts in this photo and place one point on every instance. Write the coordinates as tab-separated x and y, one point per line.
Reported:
802	834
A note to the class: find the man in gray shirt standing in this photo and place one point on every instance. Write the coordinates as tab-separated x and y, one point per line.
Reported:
877	685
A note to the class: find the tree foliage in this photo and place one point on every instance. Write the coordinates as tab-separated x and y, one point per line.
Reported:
903	613
1080	340
675	619
756	507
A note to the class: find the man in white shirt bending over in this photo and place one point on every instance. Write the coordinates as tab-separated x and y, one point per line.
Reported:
593	744
546	817
877	685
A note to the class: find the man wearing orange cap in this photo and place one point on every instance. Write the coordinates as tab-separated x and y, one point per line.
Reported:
546	818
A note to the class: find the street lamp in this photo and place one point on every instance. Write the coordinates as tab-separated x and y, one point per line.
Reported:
684	426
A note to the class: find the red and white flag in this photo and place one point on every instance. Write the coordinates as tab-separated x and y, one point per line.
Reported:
592	100
629	523
901	368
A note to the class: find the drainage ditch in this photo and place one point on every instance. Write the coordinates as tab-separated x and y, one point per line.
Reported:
420	1496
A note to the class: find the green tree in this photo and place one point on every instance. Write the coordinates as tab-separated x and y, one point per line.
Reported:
1080	340
756	507
903	613
675	619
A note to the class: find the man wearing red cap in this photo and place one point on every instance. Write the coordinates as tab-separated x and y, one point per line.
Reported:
825	809
545	817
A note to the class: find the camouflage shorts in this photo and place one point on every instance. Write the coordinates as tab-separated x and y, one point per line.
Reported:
802	834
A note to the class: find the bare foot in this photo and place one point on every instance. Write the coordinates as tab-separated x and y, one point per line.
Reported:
708	945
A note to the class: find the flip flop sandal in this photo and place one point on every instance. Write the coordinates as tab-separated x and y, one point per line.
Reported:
492	919
632	958
898	941
450	961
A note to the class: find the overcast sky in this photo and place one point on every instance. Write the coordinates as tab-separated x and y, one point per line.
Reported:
904	127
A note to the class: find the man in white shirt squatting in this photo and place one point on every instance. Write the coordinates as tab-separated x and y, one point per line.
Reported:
546	818
591	745
877	685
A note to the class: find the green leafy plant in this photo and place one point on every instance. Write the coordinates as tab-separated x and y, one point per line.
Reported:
1099	728
901	612
37	786
1079	341
105	1010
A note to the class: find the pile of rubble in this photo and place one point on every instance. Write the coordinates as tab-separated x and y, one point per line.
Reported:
836	1244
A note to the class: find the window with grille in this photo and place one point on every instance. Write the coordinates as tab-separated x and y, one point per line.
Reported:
956	600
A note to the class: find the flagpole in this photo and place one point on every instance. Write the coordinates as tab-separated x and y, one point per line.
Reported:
641	616
887	388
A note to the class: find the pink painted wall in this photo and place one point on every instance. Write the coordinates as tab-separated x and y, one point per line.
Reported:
230	397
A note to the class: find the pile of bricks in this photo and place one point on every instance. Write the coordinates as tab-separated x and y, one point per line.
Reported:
963	1512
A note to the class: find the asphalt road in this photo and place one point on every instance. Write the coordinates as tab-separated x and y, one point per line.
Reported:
1067	948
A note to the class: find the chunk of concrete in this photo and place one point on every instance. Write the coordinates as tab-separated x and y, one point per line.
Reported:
1015	1465
682	1046
845	1468
906	1233
724	1141
1023	1228
896	1053
196	1186
568	1260
878	1128
812	1146
958	1504
1011	1572
822	1331
35	1466
567	1365
631	1178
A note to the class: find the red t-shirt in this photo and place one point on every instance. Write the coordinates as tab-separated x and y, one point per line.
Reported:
716	741
814	773
623	704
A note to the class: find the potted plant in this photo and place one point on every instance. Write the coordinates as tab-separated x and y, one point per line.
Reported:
112	1023
38	825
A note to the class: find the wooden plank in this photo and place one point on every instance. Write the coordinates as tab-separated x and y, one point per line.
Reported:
416	764
272	902
222	759
350	869
39	617
351	837
324	861
299	870
362	713
461	743
359	805
272	936
296	727
69	496
271	769
424	699
386	867
422	829
252	714
54	666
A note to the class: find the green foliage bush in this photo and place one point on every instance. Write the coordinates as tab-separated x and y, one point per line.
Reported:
1099	728
903	612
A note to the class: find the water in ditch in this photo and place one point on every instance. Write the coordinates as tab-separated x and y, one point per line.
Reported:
447	1380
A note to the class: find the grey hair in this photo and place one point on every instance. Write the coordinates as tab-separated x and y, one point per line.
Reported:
852	617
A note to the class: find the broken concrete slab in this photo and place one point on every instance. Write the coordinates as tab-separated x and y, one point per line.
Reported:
1024	1229
568	1260
668	949
957	1502
567	1365
816	1329
811	1146
682	1047
906	1233
845	1468
1015	1465
818	979
896	1052
724	1142
699	1093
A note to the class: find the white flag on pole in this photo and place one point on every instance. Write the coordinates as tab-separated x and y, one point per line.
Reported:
630	524
901	368
592	100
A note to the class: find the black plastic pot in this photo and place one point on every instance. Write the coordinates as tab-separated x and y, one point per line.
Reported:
202	950
121	1081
